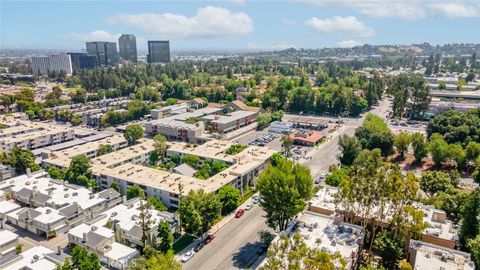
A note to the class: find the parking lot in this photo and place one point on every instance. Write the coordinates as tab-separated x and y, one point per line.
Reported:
261	137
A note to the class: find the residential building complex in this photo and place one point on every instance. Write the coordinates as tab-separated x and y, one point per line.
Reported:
158	51
127	45
101	241
38	257
329	234
43	65
51	206
32	135
423	255
440	231
8	244
105	52
244	168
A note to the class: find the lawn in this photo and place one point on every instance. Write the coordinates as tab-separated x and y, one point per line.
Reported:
183	242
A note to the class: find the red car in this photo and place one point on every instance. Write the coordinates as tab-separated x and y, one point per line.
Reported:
240	213
208	239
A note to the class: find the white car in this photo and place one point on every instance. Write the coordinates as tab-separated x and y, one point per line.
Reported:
248	206
187	256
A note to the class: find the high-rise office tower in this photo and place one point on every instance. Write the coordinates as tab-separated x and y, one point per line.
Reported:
105	52
158	51
82	60
127	45
42	65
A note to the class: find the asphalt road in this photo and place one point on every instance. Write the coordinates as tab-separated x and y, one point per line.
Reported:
327	152
235	246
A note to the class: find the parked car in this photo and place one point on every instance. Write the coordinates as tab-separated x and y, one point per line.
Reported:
255	199
187	256
208	239
240	213
199	246
248	206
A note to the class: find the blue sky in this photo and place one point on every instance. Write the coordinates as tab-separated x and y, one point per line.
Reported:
238	24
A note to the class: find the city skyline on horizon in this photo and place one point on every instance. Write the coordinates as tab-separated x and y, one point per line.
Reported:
238	25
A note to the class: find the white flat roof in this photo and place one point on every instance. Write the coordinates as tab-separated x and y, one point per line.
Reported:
431	256
34	259
7	236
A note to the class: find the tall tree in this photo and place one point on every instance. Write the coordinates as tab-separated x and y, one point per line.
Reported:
133	133
145	221
420	146
284	191
230	197
165	236
470	214
401	143
158	261
82	259
160	145
287	145
350	147
292	253
198	210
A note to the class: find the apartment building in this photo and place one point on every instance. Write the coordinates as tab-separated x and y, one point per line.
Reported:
122	219
136	154
244	168
440	231
38	257
422	255
329	234
101	241
33	135
89	149
53	206
8	244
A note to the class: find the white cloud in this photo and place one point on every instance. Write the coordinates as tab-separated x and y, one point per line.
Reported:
348	43
208	22
455	10
288	22
348	26
406	9
98	35
238	2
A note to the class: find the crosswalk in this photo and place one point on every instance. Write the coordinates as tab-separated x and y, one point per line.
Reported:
316	172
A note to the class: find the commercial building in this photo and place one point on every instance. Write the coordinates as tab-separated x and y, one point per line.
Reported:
105	52
440	231
328	234
281	127
38	257
32	135
127	45
305	137
229	122
423	255
158	51
82	61
42	65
